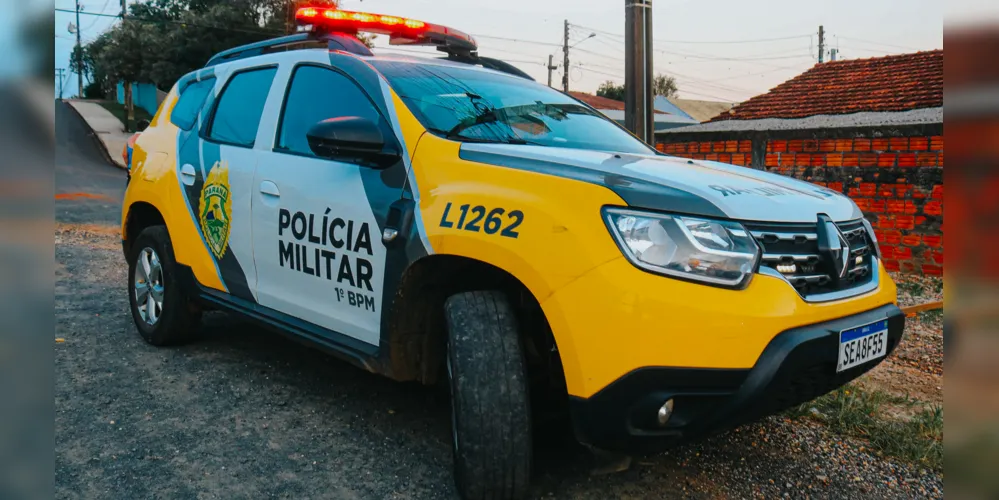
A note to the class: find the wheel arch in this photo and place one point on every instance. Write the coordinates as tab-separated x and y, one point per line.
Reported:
140	215
416	330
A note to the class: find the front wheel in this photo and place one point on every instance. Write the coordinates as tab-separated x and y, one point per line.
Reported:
490	410
160	306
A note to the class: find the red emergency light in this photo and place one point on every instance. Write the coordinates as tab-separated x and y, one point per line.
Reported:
401	31
360	21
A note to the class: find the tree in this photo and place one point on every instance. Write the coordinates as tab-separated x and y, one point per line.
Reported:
664	85
611	90
85	57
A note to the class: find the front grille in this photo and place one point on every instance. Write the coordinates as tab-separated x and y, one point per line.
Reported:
784	245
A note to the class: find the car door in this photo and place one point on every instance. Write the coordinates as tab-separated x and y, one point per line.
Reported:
217	168
317	244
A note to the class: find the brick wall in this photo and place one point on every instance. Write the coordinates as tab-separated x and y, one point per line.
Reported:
896	181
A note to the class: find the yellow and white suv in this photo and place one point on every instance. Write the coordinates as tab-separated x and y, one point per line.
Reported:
450	219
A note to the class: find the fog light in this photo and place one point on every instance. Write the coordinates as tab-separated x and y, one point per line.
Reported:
787	268
665	412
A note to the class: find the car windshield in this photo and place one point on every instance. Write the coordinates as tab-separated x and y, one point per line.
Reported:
473	105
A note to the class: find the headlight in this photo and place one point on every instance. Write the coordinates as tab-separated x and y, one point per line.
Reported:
718	252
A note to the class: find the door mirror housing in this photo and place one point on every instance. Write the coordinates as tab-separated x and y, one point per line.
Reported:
141	125
352	139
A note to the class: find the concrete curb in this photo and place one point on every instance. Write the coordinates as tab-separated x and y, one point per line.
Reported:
96	137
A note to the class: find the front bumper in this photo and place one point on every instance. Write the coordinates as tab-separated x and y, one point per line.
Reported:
798	365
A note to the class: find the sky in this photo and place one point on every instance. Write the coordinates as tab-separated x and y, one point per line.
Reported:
720	50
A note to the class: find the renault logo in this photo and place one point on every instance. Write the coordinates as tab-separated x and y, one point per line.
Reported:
833	246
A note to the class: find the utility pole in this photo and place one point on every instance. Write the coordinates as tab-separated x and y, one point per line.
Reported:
638	117
551	67
565	58
129	104
59	72
79	47
822	43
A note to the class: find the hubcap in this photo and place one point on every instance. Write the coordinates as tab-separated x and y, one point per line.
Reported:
148	280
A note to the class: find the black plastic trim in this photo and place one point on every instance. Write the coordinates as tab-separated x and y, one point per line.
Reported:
620	416
349	349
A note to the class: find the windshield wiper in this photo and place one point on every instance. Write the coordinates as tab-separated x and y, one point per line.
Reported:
498	140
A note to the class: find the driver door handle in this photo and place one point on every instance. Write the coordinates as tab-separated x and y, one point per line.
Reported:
268	188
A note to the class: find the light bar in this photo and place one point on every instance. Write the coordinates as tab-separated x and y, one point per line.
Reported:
401	31
342	20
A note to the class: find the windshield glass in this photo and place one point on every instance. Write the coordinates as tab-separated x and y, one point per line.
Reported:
468	104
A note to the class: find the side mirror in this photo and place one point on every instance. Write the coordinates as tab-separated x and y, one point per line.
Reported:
352	139
141	125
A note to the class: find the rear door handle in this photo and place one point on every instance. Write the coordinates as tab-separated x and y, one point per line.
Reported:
187	174
268	188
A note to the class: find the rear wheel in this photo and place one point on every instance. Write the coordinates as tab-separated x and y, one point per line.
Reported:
160	306
490	410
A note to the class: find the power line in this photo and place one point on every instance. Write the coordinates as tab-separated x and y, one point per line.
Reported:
517	40
903	47
734	59
724	99
92	23
613	58
758	40
882	52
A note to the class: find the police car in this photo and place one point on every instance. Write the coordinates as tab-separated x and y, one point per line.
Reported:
450	220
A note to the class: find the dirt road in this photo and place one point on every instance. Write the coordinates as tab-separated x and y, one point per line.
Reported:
244	413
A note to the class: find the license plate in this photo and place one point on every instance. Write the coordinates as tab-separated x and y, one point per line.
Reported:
862	344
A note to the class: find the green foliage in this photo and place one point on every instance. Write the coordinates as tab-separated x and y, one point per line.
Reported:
851	410
913	288
162	40
661	85
94	90
118	110
611	90
664	85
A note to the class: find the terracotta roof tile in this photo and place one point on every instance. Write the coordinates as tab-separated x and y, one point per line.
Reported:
893	83
598	102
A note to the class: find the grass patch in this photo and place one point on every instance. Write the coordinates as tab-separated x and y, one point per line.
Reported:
860	413
913	288
931	316
118	110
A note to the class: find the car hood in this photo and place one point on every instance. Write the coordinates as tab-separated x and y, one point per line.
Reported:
672	184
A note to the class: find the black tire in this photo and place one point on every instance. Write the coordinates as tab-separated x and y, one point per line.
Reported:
490	408
178	321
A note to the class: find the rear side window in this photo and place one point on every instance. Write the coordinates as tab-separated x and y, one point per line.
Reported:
237	115
317	94
185	112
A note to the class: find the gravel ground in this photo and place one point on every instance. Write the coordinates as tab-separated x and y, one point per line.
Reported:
923	345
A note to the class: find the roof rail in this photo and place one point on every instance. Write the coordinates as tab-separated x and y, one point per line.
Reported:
489	63
349	43
308	40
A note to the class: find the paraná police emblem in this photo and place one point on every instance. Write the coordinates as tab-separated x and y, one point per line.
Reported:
216	209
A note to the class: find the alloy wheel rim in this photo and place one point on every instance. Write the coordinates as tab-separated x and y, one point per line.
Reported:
148	285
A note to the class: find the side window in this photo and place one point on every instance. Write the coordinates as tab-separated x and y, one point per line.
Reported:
185	112
317	94
237	115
